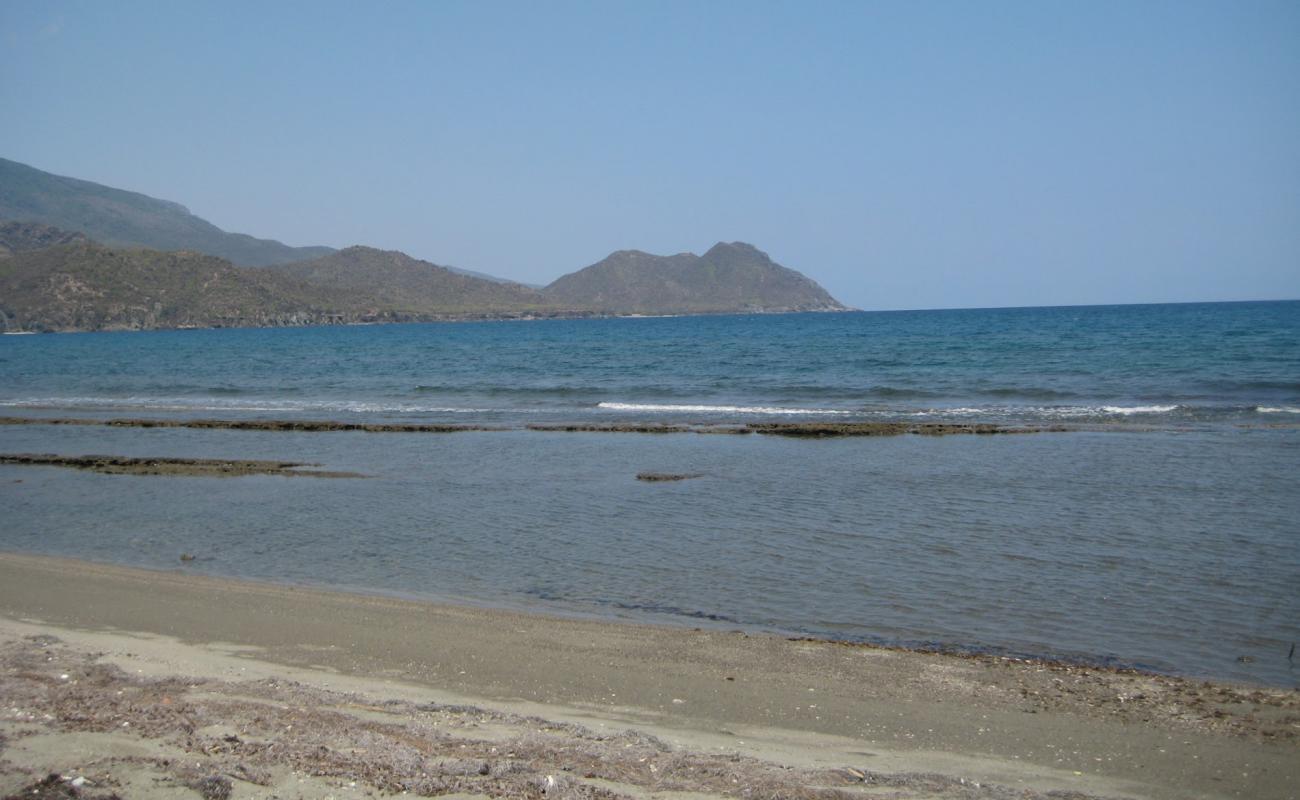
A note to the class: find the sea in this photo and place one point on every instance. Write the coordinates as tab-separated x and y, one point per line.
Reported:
1159	530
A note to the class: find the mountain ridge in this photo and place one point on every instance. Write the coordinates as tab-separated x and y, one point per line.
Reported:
53	278
131	219
728	278
87	286
394	279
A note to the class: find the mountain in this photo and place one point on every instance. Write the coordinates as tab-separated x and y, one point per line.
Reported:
79	285
20	237
76	255
729	278
118	217
85	286
393	280
484	276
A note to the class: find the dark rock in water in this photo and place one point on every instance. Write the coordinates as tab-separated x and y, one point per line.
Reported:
667	476
192	467
613	427
296	426
825	429
726	430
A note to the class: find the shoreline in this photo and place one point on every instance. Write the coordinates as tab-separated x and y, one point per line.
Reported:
873	711
435	318
667	621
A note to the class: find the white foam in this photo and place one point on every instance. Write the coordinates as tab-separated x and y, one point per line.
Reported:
947	412
1277	409
1056	412
1137	409
218	404
704	409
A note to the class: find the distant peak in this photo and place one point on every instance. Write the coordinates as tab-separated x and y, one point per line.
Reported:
735	251
369	253
735	247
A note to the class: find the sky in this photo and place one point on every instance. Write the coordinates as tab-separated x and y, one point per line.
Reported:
903	154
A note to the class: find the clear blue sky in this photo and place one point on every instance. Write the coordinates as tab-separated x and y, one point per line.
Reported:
906	155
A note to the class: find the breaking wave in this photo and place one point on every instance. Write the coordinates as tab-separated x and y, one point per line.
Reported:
1126	410
707	409
216	404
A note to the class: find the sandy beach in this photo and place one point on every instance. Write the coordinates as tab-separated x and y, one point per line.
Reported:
162	684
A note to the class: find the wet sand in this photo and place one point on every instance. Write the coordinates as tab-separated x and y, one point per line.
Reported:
148	684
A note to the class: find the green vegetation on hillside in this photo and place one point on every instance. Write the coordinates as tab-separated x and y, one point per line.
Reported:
87	286
393	280
21	237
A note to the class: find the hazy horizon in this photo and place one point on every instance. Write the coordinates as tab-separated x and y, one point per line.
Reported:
903	156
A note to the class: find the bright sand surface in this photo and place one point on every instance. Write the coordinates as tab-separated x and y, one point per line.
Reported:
147	683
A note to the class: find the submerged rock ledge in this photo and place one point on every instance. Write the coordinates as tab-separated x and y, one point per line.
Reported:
302	425
807	430
191	467
659	477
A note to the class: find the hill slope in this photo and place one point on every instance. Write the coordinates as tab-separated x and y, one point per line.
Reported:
79	285
118	217
85	286
729	278
21	237
393	280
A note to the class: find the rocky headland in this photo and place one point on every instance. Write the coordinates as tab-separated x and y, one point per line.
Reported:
78	256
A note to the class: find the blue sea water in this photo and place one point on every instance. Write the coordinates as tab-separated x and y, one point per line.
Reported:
1162	533
1161	363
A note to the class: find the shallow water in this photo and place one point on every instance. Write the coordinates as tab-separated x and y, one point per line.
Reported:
1175	552
1175	548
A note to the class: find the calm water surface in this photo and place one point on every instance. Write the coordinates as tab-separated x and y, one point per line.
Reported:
1175	547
